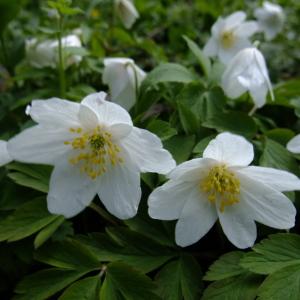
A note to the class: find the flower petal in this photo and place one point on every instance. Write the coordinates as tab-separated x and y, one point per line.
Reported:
146	150
235	19
39	144
167	201
197	217
267	205
239	228
211	47
231	149
70	190
247	29
5	158
88	118
108	113
294	144
280	180
54	112
120	190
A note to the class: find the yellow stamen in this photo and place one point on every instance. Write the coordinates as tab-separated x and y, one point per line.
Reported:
227	39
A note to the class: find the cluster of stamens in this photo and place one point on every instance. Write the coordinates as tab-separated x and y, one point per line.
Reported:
222	185
95	150
227	39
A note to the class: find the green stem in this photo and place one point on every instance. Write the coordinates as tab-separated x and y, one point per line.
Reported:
99	210
61	69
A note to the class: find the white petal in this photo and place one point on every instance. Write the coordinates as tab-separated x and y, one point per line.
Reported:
211	47
247	29
267	205
39	144
54	112
166	202
127	12
238	226
5	158
294	144
230	149
70	191
259	94
197	217
120	190
280	180
88	118
235	19
108	113
119	131
146	150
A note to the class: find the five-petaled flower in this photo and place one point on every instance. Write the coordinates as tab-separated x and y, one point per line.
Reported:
229	36
124	78
222	185
95	149
247	71
270	19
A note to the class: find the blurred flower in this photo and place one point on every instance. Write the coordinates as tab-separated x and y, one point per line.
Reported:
294	144
95	149
127	12
229	36
222	186
124	78
247	71
270	19
5	158
45	54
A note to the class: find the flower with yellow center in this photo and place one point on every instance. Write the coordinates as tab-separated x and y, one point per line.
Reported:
229	36
223	186
95	149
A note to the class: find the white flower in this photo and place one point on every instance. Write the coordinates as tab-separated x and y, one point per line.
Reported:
124	77
127	12
45	54
294	144
95	149
247	71
270	19
229	36
5	158
222	185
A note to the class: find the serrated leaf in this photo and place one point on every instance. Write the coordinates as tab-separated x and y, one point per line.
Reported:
180	279
283	284
241	287
270	255
203	60
226	266
84	289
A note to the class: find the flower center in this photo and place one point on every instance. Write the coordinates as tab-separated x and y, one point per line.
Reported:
95	151
222	185
227	39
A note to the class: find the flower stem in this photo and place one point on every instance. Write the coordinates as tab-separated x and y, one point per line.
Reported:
61	69
99	210
252	111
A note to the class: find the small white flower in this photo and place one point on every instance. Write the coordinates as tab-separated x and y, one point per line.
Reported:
229	36
127	12
45	54
294	144
5	158
270	19
222	185
247	71
95	149
124	77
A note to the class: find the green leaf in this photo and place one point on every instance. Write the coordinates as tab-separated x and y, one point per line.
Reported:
33	176
8	11
280	135
162	129
47	232
241	287
180	279
200	147
43	284
203	60
69	254
270	256
284	284
84	289
277	156
128	282
26	220
226	266
235	122
189	120
180	147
